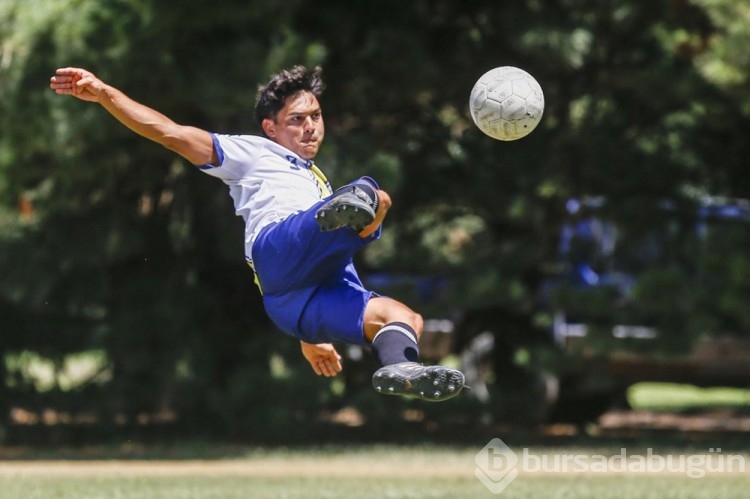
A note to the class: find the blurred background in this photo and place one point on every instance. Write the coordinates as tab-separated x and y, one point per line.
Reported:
596	267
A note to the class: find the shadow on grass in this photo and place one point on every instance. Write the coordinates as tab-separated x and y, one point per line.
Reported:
170	445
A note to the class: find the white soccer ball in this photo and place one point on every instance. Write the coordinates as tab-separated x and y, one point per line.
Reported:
506	103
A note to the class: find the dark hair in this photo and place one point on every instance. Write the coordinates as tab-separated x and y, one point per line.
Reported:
287	83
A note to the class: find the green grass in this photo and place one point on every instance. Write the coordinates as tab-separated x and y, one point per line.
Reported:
342	472
362	471
676	397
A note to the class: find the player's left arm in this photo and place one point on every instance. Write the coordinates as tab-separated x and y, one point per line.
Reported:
323	358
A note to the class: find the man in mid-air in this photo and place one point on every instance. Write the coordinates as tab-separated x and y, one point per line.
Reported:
300	237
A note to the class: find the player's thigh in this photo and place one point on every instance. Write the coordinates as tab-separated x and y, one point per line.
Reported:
335	313
382	310
296	254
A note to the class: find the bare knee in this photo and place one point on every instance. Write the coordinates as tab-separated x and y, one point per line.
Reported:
417	324
407	316
381	311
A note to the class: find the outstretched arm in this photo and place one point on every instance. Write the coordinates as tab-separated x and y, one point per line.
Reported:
192	143
323	358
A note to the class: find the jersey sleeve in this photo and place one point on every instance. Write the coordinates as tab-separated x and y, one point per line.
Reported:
236	153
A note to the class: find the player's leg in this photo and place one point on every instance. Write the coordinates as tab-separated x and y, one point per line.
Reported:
342	310
393	330
297	253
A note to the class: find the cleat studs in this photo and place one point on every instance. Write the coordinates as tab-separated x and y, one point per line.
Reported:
451	388
379	388
437	394
421	394
390	389
435	383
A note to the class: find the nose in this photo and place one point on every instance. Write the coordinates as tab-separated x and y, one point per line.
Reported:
308	125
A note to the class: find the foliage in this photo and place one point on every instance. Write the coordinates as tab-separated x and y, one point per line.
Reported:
110	244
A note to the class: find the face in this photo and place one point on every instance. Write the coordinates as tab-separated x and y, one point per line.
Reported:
298	126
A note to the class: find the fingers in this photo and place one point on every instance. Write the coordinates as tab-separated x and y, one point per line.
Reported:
71	81
328	366
64	83
323	358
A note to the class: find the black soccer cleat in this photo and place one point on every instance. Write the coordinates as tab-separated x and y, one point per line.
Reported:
350	206
433	383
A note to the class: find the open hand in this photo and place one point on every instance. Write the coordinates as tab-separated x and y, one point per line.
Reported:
323	358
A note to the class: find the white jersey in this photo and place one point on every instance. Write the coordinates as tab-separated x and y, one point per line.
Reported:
267	181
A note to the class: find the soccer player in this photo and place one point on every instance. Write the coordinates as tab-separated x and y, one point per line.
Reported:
300	237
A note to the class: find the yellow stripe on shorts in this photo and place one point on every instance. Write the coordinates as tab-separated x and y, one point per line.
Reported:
255	278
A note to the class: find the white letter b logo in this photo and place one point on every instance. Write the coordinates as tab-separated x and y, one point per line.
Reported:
496	466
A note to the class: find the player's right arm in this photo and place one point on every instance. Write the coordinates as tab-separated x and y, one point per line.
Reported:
191	143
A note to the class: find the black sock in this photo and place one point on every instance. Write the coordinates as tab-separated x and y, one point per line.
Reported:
395	342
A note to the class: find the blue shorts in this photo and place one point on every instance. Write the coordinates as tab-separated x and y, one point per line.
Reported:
310	287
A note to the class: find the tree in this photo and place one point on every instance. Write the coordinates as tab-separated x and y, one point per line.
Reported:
110	244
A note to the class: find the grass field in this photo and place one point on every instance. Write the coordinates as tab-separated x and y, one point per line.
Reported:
340	472
676	397
381	471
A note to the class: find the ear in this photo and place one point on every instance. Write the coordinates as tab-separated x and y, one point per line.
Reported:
269	128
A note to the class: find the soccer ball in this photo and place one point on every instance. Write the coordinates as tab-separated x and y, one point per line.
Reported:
506	103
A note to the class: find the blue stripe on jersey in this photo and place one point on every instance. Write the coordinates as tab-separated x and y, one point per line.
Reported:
219	153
